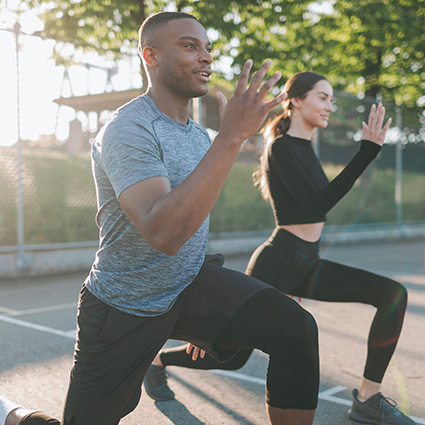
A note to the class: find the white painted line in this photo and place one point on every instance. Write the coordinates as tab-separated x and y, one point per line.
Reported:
325	395
42	309
328	395
41	328
38	288
7	311
239	376
71	333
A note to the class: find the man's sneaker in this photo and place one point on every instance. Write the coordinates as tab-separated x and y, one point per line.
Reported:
377	410
156	383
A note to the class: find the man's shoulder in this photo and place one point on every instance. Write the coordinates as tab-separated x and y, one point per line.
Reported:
134	118
138	111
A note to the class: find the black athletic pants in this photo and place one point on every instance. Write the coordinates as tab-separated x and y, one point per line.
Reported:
115	349
293	266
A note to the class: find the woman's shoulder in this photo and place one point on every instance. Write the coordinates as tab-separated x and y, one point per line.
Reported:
281	149
283	143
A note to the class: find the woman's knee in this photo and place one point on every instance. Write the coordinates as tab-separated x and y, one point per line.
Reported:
394	296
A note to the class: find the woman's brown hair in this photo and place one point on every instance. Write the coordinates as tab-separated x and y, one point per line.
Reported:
297	86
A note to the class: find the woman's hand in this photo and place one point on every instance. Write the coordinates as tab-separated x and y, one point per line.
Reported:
373	130
196	351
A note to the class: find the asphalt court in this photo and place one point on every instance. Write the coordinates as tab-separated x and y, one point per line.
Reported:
37	328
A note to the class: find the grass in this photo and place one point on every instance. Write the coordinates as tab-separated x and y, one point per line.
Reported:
371	200
60	205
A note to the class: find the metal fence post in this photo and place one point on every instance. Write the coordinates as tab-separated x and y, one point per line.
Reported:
21	263
398	193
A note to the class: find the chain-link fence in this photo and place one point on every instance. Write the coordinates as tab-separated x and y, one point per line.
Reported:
48	196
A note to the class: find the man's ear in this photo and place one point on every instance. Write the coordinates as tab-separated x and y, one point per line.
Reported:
149	56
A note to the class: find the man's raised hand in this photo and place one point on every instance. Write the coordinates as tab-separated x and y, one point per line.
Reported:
243	115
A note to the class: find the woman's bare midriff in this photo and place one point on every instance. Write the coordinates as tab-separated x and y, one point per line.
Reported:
310	232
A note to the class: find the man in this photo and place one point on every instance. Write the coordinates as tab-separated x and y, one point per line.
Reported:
157	179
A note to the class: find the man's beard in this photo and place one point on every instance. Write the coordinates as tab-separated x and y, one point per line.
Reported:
181	86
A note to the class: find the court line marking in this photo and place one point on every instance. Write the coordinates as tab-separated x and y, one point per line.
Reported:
41	328
403	399
38	288
10	312
327	395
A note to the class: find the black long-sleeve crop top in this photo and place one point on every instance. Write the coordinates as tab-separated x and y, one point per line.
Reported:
299	189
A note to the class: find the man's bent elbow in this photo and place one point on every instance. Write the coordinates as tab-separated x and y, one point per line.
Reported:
166	246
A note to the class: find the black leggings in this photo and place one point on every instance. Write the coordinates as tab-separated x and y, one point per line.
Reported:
293	266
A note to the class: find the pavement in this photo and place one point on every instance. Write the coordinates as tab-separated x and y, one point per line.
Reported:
37	330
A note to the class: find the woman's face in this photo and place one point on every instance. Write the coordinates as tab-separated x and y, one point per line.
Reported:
314	110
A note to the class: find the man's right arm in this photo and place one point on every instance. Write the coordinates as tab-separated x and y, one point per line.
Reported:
167	217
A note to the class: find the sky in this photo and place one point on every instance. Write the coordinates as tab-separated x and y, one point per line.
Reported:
40	82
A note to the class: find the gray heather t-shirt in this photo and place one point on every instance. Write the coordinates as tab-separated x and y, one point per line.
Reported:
139	142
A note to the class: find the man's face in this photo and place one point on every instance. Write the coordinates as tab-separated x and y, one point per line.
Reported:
184	59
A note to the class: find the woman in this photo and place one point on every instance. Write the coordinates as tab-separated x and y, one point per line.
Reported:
292	178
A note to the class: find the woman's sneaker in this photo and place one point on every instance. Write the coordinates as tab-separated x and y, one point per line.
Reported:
156	383
377	410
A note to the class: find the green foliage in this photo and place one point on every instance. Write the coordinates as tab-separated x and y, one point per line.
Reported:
372	200
59	199
240	206
381	41
370	47
8	211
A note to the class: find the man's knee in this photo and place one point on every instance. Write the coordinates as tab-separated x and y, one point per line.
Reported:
39	418
303	332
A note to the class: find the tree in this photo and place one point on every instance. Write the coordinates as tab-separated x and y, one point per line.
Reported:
373	47
381	43
369	47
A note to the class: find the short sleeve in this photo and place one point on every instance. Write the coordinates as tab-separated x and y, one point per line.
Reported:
130	156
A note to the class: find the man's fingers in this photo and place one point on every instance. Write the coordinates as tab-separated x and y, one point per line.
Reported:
222	100
278	99
270	83
243	78
259	75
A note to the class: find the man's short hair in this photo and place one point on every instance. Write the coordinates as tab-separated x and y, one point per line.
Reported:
154	22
